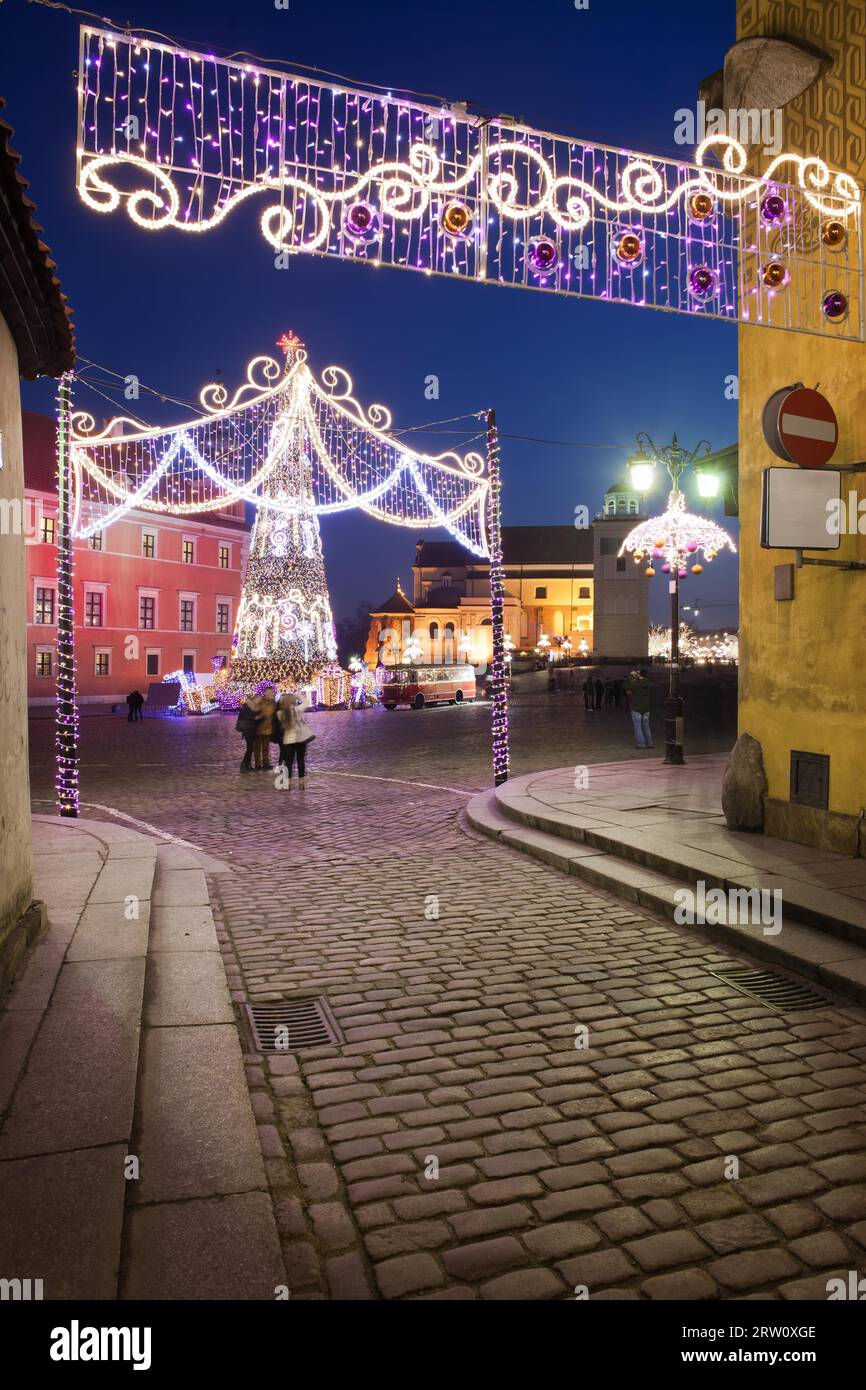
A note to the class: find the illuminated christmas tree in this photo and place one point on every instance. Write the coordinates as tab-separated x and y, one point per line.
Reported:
285	629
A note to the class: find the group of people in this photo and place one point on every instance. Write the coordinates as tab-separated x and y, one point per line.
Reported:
635	694
271	718
607	694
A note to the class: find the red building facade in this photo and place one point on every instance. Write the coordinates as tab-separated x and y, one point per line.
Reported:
153	593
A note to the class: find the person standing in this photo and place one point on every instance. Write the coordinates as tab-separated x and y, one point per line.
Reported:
589	693
639	692
247	723
599	693
296	734
265	731
134	702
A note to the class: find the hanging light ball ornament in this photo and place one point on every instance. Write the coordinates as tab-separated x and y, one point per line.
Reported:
542	255
666	569
691	547
659	542
457	219
774	275
650	572
774	209
697	569
362	220
701	206
629	249
682	574
834	306
703	282
834	234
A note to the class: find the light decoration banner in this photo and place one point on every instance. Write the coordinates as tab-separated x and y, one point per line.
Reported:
182	139
296	449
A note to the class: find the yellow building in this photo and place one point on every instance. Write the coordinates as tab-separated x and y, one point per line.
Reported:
802	683
561	583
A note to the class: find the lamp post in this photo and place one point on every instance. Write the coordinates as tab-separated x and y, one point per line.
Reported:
676	537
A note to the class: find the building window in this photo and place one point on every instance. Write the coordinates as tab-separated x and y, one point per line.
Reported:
146	611
609	545
445	581
188	552
47	529
187	616
151	663
44	661
93	609
541	591
148	544
225	557
620	564
102	662
96	541
44	606
189	661
222	617
583	592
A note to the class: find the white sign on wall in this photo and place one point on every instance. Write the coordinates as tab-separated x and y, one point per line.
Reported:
796	506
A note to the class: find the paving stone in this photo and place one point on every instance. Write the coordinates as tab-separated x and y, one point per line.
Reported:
752	1268
826	1248
561	1238
484	1258
597	1270
666	1250
742	1232
408	1274
487	1221
347	1278
524	1285
684	1285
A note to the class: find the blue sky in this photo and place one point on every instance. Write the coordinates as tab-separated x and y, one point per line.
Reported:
173	313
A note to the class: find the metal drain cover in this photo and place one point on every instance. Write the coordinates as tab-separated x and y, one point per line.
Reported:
292	1025
777	991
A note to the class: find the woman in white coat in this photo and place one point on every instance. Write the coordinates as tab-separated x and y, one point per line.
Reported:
296	734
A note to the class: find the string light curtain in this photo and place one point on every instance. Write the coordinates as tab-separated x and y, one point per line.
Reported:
236	450
183	138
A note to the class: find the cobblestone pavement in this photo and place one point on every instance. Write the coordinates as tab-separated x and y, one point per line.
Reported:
457	1144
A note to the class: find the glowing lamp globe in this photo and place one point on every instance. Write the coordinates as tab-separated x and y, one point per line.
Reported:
641	471
708	484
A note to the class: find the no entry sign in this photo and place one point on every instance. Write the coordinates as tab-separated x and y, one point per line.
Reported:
800	426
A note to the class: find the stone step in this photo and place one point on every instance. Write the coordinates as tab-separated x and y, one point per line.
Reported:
810	904
829	960
199	1222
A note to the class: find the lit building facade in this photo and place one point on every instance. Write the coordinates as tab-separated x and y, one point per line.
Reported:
561	583
153	593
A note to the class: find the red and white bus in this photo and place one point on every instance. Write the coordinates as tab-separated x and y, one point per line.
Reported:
418	686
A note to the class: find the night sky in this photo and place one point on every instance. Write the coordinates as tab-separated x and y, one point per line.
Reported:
173	309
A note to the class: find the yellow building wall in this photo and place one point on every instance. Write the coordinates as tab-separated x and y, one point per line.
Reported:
802	667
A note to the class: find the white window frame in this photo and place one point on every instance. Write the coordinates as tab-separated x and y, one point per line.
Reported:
44	520
91	588
51	653
187	598
149	531
227	600
154	594
44	584
224	546
188	651
185	541
102	651
153	651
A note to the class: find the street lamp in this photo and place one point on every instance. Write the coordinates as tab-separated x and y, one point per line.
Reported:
677	538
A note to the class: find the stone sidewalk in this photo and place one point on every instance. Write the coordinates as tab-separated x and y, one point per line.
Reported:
646	830
130	1165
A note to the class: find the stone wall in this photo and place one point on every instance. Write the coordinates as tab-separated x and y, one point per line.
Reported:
16	869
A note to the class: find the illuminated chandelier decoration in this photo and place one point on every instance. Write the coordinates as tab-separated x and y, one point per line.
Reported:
296	449
183	138
676	540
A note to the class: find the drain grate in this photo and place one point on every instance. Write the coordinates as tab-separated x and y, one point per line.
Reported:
292	1025
777	991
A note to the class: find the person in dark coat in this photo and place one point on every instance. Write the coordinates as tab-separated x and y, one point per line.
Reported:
608	693
134	703
599	693
249	716
589	693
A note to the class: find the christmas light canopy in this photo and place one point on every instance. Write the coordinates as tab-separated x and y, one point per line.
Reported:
181	139
676	537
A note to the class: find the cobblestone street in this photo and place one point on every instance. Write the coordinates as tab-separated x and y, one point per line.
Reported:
456	1143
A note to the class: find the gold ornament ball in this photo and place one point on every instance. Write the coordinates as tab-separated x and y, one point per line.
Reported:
697	569
457	219
659	542
650	572
701	206
774	275
629	248
833	234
